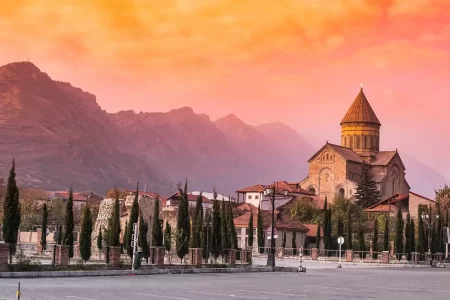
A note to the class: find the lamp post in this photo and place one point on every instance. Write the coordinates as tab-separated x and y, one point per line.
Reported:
270	192
428	220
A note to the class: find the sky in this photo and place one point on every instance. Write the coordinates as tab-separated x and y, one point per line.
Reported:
296	61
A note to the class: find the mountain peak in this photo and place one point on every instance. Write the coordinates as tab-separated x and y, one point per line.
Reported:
230	120
22	70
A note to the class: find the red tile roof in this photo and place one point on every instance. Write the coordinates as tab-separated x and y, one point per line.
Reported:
383	205
382	208
312	230
252	189
383	158
284	223
392	199
425	198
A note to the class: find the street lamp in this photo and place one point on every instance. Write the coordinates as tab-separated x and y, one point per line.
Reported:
271	256
427	219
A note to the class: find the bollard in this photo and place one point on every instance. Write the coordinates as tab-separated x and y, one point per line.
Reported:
18	292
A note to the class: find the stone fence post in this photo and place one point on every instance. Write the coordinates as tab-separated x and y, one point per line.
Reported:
385	257
159	256
38	241
62	256
4	257
195	256
348	255
114	256
231	253
314	254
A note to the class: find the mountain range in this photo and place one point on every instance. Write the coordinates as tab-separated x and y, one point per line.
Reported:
60	136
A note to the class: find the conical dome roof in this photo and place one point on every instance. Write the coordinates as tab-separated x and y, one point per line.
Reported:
360	111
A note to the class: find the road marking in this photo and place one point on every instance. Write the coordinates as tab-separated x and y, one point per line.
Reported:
165	297
232	296
75	297
268	293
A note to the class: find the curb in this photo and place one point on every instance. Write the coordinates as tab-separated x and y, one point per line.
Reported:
50	274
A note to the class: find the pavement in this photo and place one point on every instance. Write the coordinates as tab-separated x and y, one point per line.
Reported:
328	283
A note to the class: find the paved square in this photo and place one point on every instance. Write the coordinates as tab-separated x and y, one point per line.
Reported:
351	283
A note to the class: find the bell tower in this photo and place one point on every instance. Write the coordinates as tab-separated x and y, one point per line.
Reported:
360	128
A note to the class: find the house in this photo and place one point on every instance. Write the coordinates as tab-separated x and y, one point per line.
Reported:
255	194
174	201
407	202
311	236
210	196
283	223
80	199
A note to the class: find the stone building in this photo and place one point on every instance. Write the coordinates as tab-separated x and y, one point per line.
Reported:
336	169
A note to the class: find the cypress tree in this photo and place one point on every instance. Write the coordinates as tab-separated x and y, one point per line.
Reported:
114	225
199	229
157	233
196	228
421	245
216	241
233	234
375	239
86	234
294	242
11	212
125	237
260	231
283	241
142	237
318	237
325	225
183	224
340	227
413	236
408	237
206	237
329	230
349	230
226	243
99	241
250	230
44	227
399	233
362	243
134	218
68	233
367	192
60	234
439	228
386	234
168	237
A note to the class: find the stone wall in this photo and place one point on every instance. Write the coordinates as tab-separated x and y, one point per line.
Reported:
104	213
147	209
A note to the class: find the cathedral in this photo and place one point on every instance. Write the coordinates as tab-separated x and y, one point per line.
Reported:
335	169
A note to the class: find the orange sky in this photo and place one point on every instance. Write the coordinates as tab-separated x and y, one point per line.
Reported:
297	61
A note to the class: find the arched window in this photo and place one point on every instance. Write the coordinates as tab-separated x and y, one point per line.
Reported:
312	190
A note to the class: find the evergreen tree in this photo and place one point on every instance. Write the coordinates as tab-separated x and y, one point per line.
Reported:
386	235
199	228
226	243
294	242
100	240
260	231
183	224
142	237
60	235
318	237
196	228
168	237
134	218
413	236
375	239
325	225
446	218
329	230
283	241
439	229
114	225
367	193
421	245
349	229
232	228
362	243
125	238
206	237
399	233
216	241
408	237
44	227
86	234
68	233
250	230
11	212
157	232
340	227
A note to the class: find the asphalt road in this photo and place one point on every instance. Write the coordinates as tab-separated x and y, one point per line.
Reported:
355	283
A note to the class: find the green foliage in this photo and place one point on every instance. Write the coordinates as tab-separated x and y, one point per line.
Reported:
86	234
206	237
367	193
349	229
142	237
318	237
44	227
375	238
260	231
183	224
68	233
362	243
60	235
11	211
196	218
232	228
114	225
443	196
421	245
327	226
216	237
413	235
294	242
408	237
134	217
386	235
304	211
225	234
125	237
283	241
168	237
100	239
399	233
250	230
340	227
157	233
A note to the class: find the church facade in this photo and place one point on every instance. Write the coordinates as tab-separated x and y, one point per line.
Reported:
335	170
